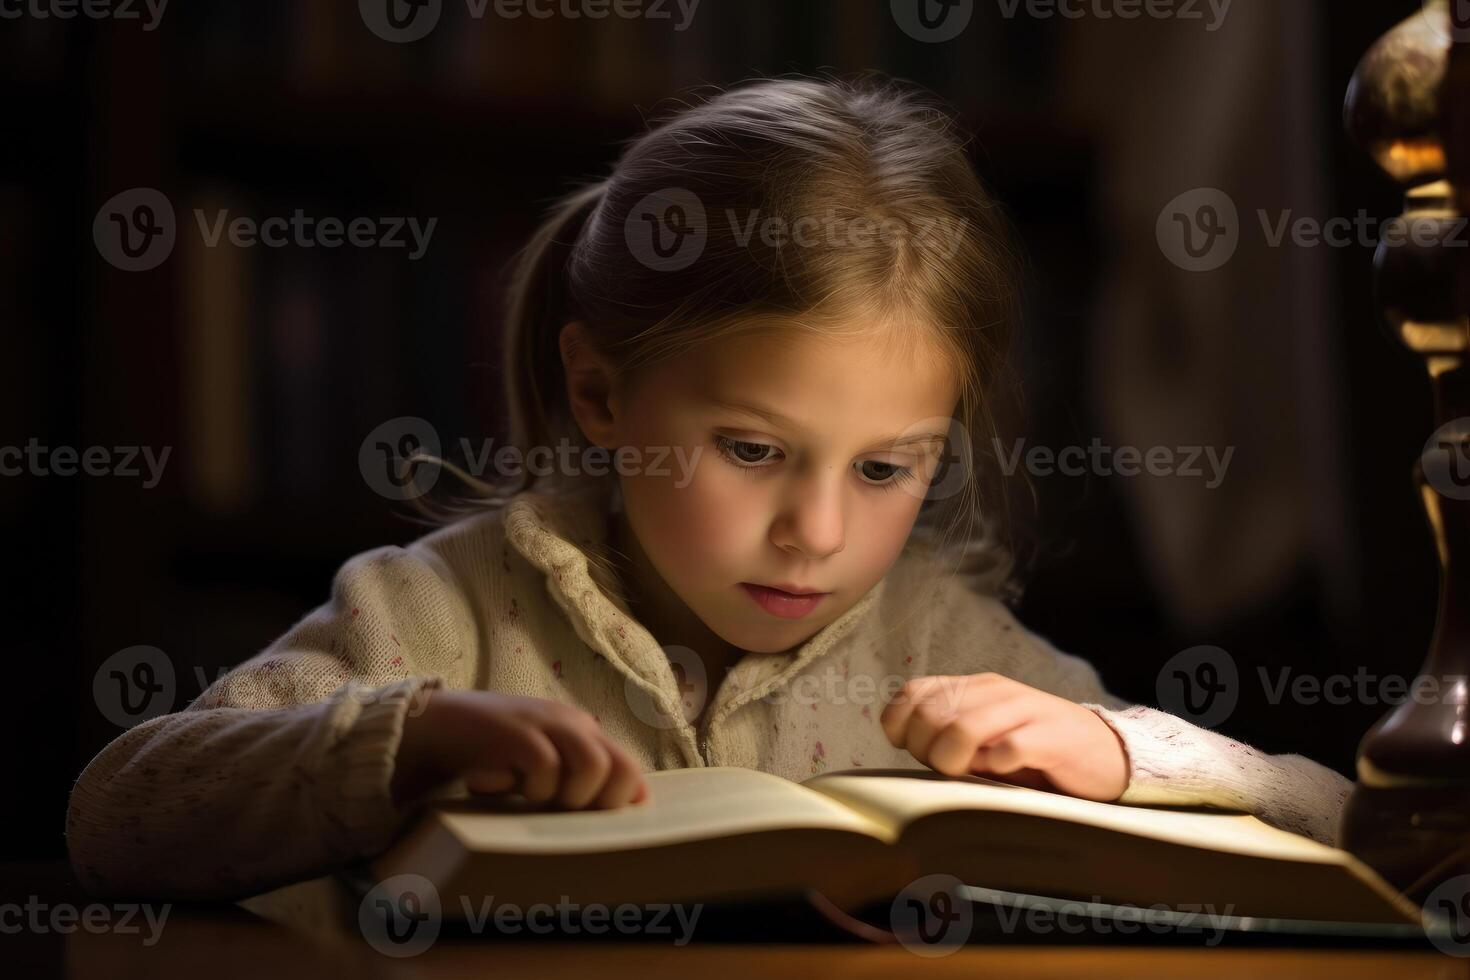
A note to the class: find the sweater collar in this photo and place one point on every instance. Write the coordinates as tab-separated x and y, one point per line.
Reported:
553	531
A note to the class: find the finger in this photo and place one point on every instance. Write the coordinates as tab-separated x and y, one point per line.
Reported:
953	749
1017	749
924	725
624	783
941	702
490	780
585	762
946	691
538	760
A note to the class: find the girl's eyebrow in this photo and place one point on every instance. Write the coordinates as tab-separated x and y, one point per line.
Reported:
776	417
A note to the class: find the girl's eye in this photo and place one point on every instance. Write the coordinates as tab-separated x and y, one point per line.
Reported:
756	456
744	454
885	476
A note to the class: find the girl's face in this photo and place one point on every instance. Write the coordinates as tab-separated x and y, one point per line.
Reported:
806	461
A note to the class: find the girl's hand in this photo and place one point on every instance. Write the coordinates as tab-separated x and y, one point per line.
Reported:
991	724
550	752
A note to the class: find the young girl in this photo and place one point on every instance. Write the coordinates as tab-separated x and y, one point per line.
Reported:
762	335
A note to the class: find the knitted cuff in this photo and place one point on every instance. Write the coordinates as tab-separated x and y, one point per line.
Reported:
357	768
1173	761
1166	765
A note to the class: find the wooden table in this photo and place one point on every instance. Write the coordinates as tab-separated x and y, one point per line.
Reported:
210	941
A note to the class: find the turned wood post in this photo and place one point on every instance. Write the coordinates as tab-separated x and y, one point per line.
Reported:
1408	106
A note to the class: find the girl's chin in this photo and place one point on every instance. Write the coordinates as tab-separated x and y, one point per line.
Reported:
776	636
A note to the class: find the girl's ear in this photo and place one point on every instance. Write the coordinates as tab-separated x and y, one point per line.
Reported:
592	391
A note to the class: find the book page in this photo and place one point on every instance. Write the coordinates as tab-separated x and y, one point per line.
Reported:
901	799
682	804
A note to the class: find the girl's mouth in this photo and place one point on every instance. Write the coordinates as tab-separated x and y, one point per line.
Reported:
781	604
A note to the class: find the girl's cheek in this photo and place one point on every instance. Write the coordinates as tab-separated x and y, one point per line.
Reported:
716	514
697	520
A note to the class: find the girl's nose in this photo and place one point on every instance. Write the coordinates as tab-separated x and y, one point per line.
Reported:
812	521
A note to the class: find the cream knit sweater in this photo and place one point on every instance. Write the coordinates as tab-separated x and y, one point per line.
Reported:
280	769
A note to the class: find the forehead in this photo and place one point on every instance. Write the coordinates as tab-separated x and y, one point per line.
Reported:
857	378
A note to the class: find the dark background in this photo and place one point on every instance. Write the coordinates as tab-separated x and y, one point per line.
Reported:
264	368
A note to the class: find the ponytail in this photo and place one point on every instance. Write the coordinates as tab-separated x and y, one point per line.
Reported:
539	302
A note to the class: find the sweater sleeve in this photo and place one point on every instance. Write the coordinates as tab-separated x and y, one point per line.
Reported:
280	770
1170	760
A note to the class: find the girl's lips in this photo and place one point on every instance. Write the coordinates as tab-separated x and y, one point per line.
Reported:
783	604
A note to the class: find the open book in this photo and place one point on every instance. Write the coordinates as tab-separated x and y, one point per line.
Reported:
726	833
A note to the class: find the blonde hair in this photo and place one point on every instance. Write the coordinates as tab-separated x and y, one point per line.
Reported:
865	149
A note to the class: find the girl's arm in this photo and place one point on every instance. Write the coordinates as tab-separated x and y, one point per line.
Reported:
1169	759
281	769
